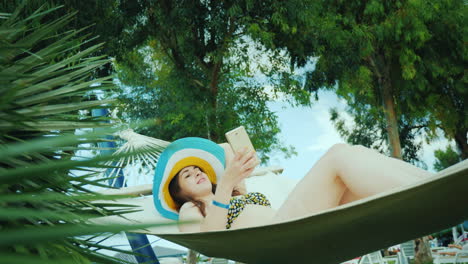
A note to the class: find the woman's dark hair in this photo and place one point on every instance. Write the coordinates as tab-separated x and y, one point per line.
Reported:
180	199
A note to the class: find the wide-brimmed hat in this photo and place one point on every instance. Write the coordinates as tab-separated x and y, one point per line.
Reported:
191	151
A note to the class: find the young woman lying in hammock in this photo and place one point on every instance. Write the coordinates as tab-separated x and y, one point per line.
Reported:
186	173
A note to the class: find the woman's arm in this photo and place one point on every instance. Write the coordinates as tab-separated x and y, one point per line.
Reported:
216	219
240	167
241	187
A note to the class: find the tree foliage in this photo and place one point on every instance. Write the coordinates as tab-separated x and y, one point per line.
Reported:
206	43
446	158
367	128
194	69
409	55
153	89
406	59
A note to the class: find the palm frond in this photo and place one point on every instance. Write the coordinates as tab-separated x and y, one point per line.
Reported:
46	79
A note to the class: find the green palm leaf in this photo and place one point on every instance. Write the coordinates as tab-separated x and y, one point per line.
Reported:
46	190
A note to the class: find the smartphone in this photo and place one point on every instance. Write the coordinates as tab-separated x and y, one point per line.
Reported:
239	139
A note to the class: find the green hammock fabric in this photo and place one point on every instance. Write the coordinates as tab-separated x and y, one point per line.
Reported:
347	231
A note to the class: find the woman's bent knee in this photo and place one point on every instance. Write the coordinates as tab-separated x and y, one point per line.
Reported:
337	155
337	150
359	147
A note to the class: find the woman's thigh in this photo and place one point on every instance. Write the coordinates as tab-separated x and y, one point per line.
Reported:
320	189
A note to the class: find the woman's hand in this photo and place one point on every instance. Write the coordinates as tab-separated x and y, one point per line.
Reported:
239	168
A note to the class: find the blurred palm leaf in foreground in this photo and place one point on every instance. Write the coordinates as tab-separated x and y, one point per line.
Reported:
44	196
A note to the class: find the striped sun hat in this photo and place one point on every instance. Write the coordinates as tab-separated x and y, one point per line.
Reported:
191	151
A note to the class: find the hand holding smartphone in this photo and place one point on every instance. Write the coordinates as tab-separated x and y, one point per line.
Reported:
239	140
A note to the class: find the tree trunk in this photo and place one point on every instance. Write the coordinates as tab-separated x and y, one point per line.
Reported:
213	97
422	250
462	144
390	117
208	127
192	257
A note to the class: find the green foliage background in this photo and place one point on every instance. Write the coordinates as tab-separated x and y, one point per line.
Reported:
413	50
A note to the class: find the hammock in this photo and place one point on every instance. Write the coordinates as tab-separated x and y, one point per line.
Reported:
331	236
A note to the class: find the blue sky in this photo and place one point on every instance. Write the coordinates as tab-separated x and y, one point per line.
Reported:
308	130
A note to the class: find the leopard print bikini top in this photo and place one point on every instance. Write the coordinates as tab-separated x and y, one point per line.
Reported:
237	204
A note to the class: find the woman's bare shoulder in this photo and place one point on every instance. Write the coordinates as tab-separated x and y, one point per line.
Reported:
189	212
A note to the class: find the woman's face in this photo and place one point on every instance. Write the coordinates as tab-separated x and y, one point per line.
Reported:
194	182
